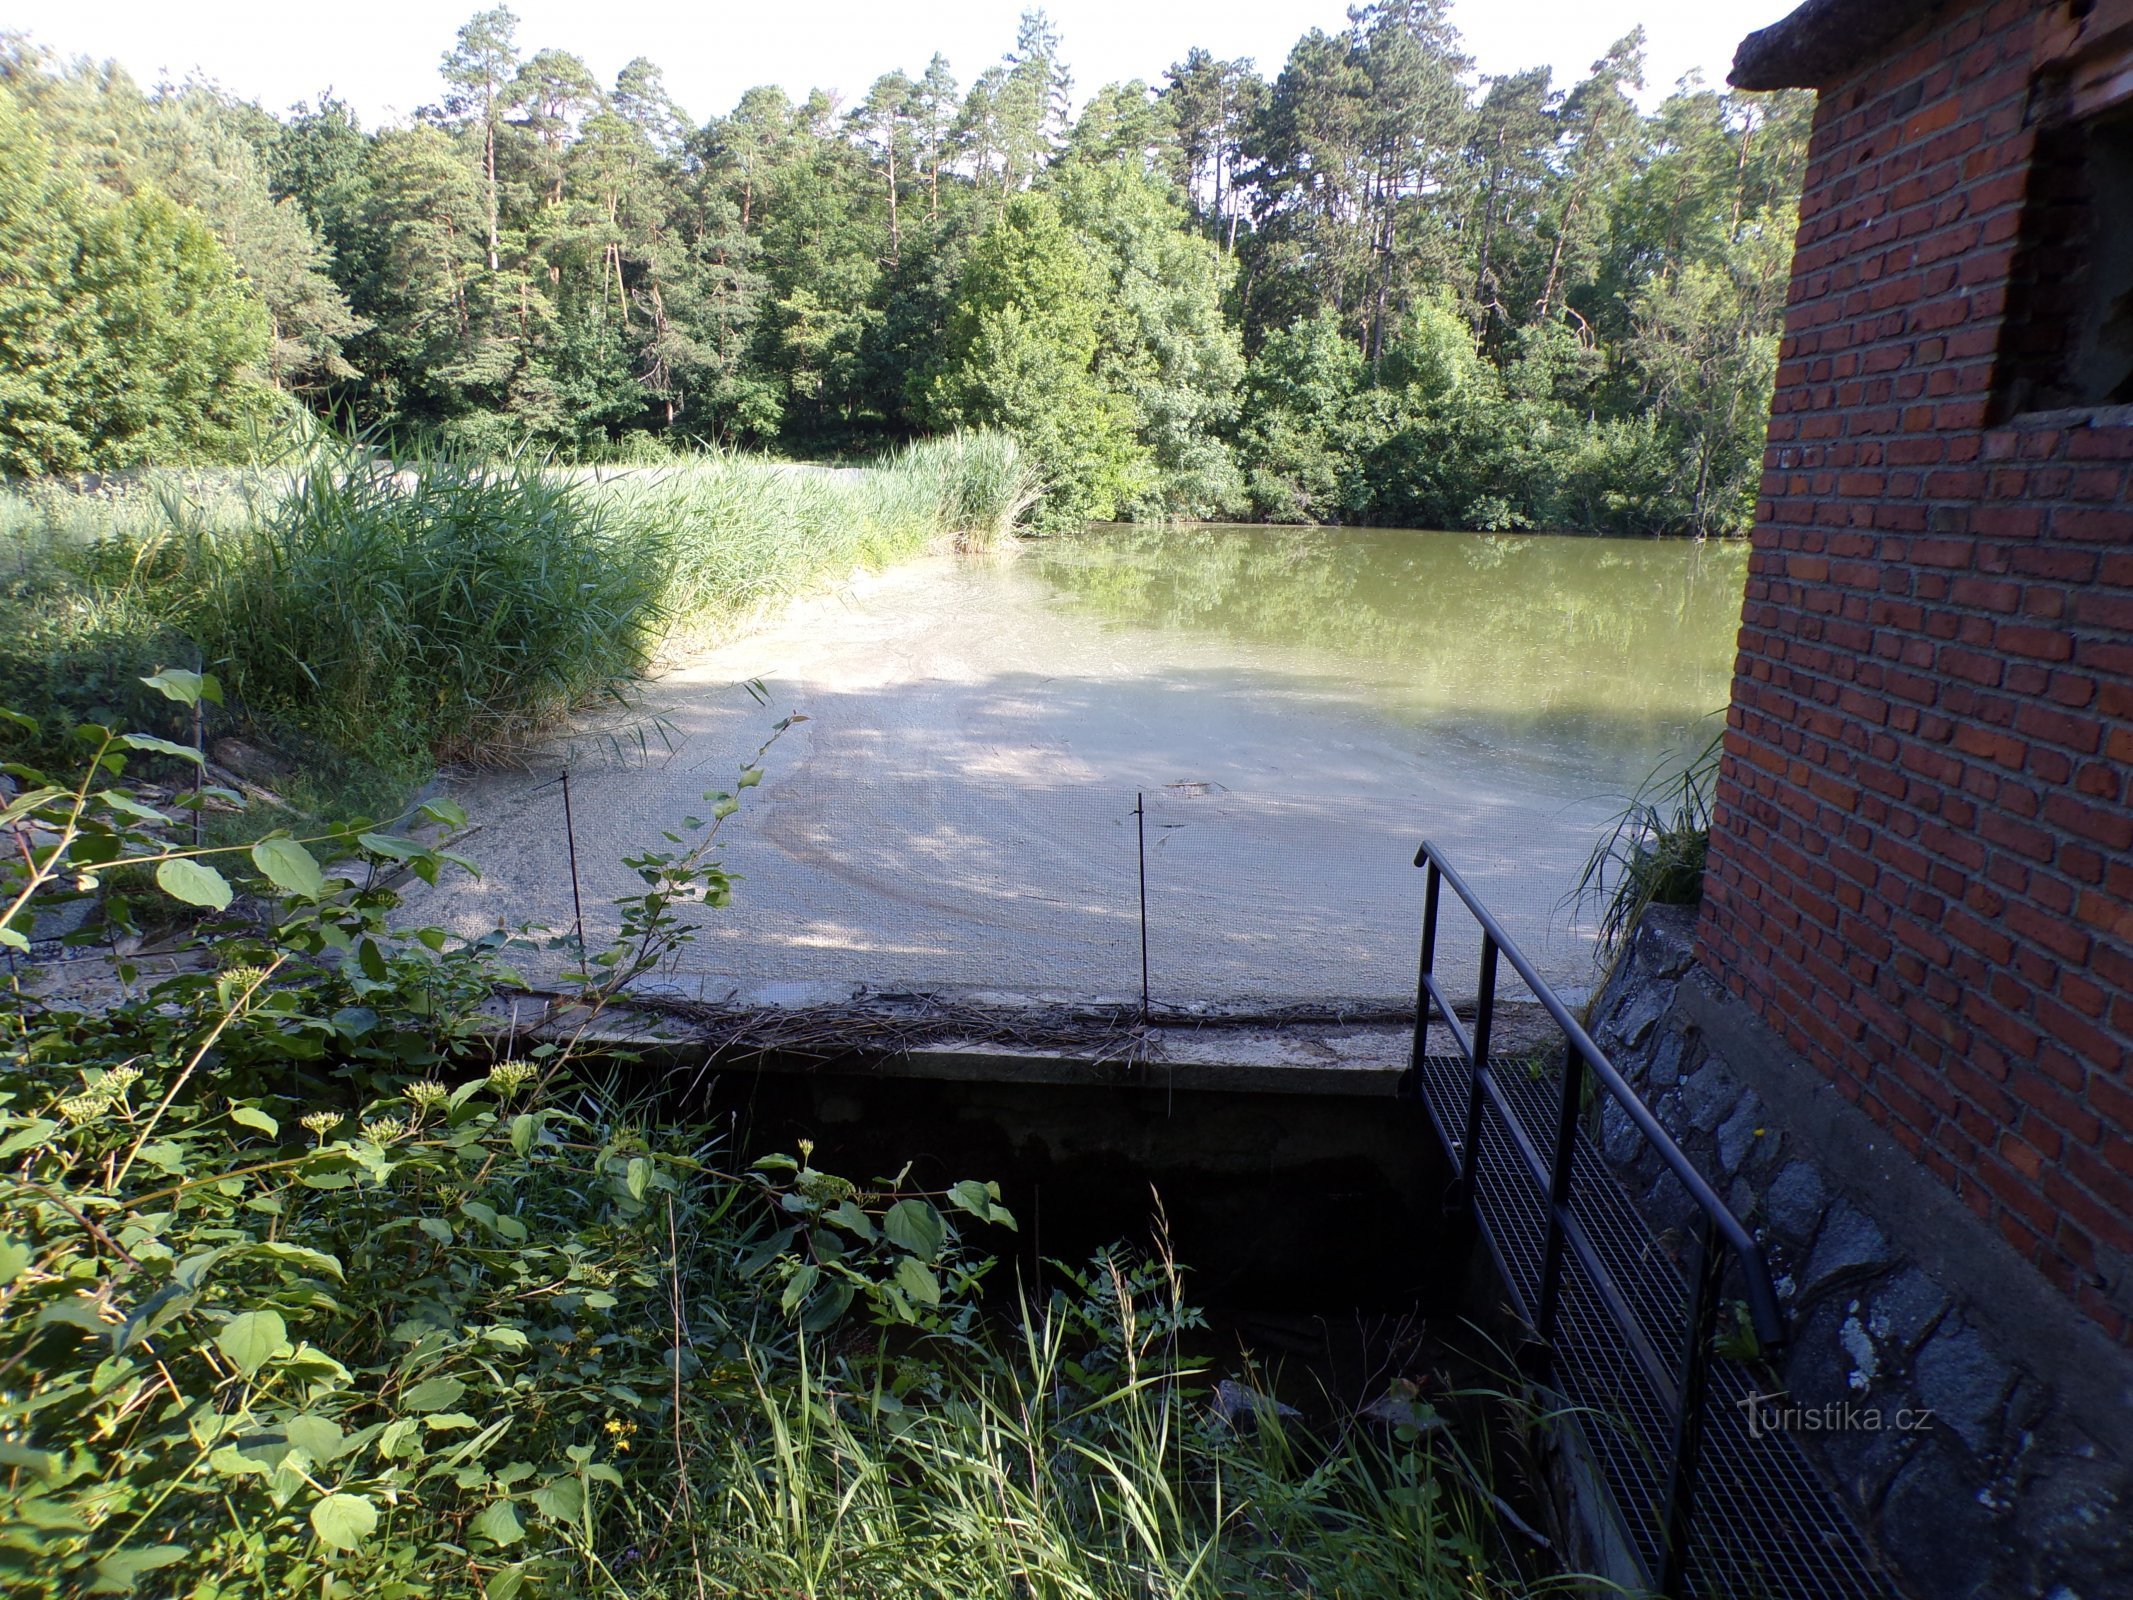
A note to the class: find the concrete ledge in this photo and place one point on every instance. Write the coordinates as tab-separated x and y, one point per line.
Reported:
958	1040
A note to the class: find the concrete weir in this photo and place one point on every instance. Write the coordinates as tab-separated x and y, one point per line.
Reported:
1277	1150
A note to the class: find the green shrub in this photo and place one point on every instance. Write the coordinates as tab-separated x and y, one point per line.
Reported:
302	1291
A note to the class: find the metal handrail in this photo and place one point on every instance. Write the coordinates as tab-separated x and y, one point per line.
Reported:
1719	1231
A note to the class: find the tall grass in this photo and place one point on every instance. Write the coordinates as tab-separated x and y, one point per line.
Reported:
740	536
1653	852
82	617
406	613
1016	1478
447	611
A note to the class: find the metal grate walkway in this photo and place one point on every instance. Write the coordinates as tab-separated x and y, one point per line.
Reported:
1765	1528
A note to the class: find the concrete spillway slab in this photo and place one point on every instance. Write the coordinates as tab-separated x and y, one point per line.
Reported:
958	809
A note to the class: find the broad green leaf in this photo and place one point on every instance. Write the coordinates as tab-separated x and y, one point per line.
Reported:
561	1498
41	1462
318	1437
638	1176
251	1339
352	1022
444	811
853	1220
118	800
344	1521
915	1226
303	1256
388	844
399	1437
15	1259
232	1462
799	1286
499	1524
289	867
32	800
118	1572
252	1117
974	1197
826	1306
187	688
164	1156
161	747
30	1131
433	1394
524	1127
194	882
916	1279
766	1252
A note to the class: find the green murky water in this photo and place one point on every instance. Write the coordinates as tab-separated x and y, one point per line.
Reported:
1597	655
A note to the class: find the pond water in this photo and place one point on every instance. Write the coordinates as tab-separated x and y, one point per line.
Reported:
1270	718
1597	657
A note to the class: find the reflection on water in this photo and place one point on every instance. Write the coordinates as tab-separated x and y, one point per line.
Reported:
1602	655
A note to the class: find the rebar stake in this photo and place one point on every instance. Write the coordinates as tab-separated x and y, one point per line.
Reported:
570	840
1140	828
200	751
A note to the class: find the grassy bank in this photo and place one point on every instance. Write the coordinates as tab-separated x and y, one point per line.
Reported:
304	1290
379	617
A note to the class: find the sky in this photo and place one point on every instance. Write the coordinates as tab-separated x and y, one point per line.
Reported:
381	56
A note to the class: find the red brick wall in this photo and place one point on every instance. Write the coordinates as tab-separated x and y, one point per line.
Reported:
1922	864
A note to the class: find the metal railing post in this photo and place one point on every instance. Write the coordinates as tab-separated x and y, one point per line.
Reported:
1477	1064
1560	1186
1706	1278
1429	966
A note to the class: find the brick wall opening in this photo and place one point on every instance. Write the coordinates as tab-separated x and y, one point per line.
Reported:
2069	340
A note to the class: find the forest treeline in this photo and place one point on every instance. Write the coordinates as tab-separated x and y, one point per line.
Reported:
1375	288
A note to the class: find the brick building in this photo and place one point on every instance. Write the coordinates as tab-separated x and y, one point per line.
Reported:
1896	1035
1922	867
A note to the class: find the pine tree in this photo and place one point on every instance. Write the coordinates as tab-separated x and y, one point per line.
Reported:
479	71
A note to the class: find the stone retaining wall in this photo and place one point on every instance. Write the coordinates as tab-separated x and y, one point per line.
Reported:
1983	1425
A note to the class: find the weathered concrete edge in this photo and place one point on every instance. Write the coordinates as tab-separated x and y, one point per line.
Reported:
2002	1292
952	1063
648	1035
1595	1532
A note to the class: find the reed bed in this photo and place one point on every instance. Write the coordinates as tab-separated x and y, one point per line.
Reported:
397	614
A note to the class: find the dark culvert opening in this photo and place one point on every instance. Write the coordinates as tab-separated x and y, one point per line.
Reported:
1273	1201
